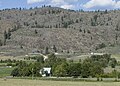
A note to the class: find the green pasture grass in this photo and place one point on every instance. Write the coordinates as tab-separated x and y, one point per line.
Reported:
5	71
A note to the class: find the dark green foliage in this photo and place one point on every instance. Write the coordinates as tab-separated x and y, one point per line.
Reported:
54	48
97	78
1	43
62	18
113	74
92	23
107	24
40	59
61	70
99	57
90	67
8	61
8	34
36	68
102	59
116	37
46	50
118	75
85	72
31	14
81	10
15	72
96	69
74	69
52	59
81	19
65	25
113	62
25	69
30	8
35	13
77	21
106	11
56	26
84	31
117	28
88	31
9	64
5	34
36	23
21	46
94	20
15	28
109	18
36	31
91	37
26	24
70	61
100	46
20	8
80	30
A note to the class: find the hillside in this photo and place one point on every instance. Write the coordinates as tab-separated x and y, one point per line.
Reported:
59	30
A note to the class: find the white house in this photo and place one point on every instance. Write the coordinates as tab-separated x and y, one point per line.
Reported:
45	72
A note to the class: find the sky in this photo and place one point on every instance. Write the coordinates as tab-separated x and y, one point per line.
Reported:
67	4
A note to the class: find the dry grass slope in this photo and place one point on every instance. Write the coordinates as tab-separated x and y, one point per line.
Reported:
20	82
67	30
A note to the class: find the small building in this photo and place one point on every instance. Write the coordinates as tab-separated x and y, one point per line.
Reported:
45	72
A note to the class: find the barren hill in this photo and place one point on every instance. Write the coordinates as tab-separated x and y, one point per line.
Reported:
59	30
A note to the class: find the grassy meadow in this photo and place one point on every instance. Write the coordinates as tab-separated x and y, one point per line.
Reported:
25	82
5	71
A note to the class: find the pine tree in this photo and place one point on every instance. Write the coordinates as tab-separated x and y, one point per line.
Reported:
80	30
0	43
36	31
62	18
46	50
5	34
5	37
106	11
77	21
54	48
8	34
84	31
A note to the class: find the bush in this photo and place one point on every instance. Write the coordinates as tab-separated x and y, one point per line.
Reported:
100	46
15	72
9	64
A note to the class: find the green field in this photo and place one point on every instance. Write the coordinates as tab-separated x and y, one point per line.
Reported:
25	82
5	71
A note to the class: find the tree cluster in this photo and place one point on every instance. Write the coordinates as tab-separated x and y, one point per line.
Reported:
25	69
90	67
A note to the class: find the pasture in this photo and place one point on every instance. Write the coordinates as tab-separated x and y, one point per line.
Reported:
26	82
5	71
